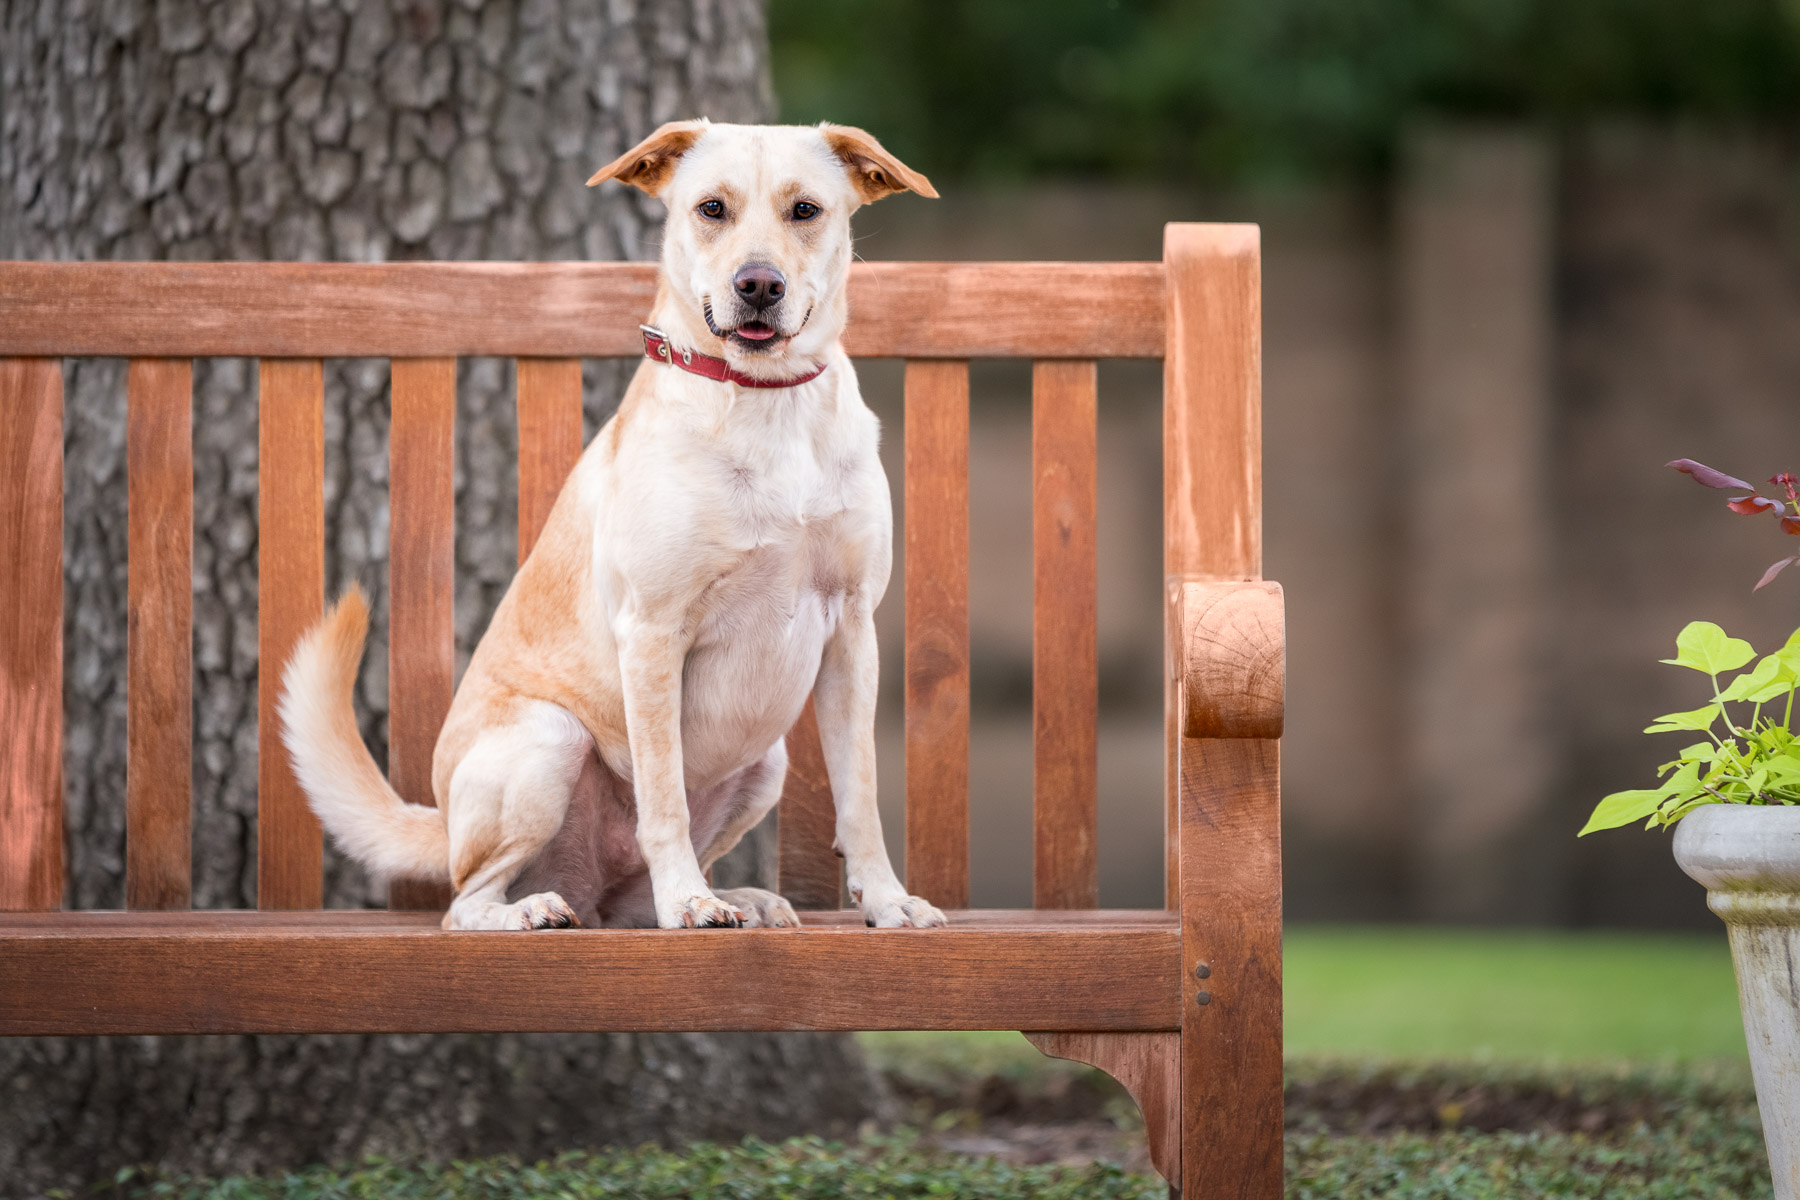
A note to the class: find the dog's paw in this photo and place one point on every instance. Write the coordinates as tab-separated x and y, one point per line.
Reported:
762	910
904	912
544	910
701	911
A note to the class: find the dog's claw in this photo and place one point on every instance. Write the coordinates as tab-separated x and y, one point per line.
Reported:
761	909
710	912
908	912
546	910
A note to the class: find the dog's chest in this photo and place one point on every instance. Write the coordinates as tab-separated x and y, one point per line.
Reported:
798	540
785	499
794	534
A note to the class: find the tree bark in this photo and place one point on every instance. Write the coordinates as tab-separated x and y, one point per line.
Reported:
356	130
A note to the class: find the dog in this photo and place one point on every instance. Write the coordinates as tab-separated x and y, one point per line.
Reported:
715	557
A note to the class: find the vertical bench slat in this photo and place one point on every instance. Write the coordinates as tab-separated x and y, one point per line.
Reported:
31	595
160	655
1065	694
811	874
290	561
421	587
937	631
549	438
1228	817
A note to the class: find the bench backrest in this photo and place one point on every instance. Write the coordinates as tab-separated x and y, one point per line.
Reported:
1198	309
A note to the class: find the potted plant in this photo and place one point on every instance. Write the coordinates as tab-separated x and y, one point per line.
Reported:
1734	796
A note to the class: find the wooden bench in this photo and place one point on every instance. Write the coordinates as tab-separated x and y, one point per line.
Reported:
1182	1004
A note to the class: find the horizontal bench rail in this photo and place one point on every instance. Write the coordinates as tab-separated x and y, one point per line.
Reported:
562	309
372	971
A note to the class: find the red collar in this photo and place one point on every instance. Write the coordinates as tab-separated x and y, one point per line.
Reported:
656	346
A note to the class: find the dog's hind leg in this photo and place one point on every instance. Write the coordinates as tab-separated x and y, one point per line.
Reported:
508	798
753	792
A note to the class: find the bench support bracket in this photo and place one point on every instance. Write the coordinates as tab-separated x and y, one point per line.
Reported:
1148	1065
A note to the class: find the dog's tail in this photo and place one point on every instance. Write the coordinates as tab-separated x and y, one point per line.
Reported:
364	815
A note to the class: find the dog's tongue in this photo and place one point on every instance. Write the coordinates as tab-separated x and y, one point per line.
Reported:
755	331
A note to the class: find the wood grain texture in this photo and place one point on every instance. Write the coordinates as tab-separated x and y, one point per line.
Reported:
589	310
1212	437
1171	743
1148	1065
810	874
1231	1095
1228	791
549	439
421	588
1212	402
31	612
937	631
397	972
159	671
290	563
1065	657
1234	660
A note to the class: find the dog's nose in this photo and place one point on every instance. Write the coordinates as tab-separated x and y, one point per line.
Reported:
759	285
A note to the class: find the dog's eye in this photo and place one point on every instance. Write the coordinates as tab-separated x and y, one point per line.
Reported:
712	210
805	210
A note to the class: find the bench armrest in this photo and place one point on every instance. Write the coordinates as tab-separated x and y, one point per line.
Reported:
1233	656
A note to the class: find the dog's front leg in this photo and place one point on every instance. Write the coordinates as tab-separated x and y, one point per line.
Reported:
845	701
650	661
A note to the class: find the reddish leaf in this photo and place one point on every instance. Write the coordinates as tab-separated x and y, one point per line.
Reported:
1749	506
1791	525
1773	571
1706	475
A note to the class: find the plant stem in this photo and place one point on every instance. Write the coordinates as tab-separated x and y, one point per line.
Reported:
1719	699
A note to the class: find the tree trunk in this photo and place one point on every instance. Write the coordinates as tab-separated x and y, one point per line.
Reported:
264	129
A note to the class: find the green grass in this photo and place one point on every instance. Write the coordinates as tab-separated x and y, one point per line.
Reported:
1442	995
1465	994
802	1169
1684	1136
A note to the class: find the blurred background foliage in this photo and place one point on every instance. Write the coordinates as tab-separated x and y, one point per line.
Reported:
1258	91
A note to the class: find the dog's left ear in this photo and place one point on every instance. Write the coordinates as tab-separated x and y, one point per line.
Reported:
873	171
651	163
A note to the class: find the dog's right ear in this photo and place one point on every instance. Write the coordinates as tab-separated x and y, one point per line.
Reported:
650	164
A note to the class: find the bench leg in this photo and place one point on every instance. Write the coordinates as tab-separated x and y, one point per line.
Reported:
1148	1065
1230	887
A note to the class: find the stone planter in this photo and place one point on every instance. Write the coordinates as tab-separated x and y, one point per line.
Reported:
1749	859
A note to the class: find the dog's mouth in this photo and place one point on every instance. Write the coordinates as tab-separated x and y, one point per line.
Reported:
754	335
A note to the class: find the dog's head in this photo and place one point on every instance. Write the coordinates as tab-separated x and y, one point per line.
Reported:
757	245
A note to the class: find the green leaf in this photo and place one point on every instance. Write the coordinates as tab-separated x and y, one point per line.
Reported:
1622	808
1703	646
1699	718
1766	676
1699	752
1686	782
1669	816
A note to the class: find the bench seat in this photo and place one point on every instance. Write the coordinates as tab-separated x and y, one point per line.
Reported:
364	971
